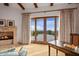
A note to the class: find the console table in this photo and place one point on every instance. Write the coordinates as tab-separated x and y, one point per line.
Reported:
58	45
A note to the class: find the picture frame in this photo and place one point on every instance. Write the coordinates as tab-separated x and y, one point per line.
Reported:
10	23
2	22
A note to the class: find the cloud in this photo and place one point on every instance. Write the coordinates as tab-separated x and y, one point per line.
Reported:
40	27
32	27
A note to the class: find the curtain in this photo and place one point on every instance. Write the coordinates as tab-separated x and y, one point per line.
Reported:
66	24
25	28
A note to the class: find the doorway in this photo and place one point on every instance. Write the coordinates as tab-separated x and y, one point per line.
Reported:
44	29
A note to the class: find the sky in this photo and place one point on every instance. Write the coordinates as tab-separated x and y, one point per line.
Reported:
40	24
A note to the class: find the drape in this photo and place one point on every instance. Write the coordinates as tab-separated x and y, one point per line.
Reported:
25	28
66	24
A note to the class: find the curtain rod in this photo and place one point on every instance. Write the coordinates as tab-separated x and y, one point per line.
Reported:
51	10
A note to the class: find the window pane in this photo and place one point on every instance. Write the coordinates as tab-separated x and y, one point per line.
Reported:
32	29
57	28
50	23
40	29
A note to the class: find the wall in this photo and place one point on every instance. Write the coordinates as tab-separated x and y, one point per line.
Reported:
9	13
43	14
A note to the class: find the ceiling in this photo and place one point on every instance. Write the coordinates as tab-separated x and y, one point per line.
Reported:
31	5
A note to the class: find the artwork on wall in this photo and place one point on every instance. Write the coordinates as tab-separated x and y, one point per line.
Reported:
2	22
10	23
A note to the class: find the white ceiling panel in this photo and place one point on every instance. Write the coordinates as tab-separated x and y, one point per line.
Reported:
31	5
43	4
14	5
28	5
60	4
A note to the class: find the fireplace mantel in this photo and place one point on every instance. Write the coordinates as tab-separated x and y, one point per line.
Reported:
4	30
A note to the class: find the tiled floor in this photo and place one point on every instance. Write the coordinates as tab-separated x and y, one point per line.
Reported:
34	49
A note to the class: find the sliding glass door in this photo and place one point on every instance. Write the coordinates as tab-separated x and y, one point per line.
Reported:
40	29
50	29
57	27
44	29
32	30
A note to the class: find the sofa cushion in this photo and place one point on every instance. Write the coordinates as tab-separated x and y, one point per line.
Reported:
22	51
14	53
9	52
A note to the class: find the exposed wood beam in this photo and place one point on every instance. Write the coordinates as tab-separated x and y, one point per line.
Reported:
51	4
6	4
22	7
35	5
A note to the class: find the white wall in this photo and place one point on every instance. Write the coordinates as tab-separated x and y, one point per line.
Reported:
43	14
12	14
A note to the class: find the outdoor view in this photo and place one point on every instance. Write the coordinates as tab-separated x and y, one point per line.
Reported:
40	29
32	29
50	29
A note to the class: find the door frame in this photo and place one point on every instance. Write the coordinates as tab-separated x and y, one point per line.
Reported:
45	37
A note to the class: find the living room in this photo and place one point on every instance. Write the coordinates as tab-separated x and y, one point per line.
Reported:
32	27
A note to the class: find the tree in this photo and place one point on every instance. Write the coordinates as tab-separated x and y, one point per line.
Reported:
33	33
49	32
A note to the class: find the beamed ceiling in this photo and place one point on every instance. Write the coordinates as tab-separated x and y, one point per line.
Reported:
24	6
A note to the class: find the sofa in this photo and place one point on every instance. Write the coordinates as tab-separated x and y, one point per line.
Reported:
13	52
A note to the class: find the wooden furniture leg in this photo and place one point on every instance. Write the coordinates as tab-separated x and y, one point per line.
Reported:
56	52
49	50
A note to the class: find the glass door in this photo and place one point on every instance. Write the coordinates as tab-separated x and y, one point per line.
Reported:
40	29
57	27
32	30
44	29
50	29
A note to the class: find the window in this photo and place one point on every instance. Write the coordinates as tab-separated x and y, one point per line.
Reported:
44	29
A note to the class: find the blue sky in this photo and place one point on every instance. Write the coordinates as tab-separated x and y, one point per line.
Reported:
40	24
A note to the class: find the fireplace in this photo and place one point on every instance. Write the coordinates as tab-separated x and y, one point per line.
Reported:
6	35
